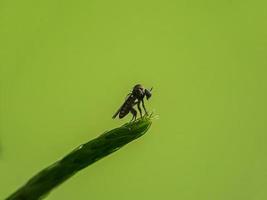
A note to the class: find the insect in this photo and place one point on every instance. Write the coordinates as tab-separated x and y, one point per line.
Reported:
135	97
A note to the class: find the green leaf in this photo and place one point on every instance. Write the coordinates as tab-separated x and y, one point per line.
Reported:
84	155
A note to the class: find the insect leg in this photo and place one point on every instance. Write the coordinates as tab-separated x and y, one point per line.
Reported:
138	105
143	104
134	113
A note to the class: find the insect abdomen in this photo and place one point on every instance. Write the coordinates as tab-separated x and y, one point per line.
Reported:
126	107
123	113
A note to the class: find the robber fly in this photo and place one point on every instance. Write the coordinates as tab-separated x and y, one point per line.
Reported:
135	97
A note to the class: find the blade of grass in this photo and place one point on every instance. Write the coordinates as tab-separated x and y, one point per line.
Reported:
84	155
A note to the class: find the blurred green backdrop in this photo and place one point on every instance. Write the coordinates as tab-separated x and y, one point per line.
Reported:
66	67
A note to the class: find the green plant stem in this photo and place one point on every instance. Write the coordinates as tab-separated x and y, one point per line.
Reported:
47	179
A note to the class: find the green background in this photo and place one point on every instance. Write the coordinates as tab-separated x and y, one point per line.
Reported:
66	67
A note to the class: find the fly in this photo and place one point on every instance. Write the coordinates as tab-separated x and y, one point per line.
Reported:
135	97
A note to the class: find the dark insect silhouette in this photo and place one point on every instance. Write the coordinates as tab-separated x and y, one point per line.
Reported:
135	97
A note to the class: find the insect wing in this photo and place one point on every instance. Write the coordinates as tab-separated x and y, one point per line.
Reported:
127	97
115	115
